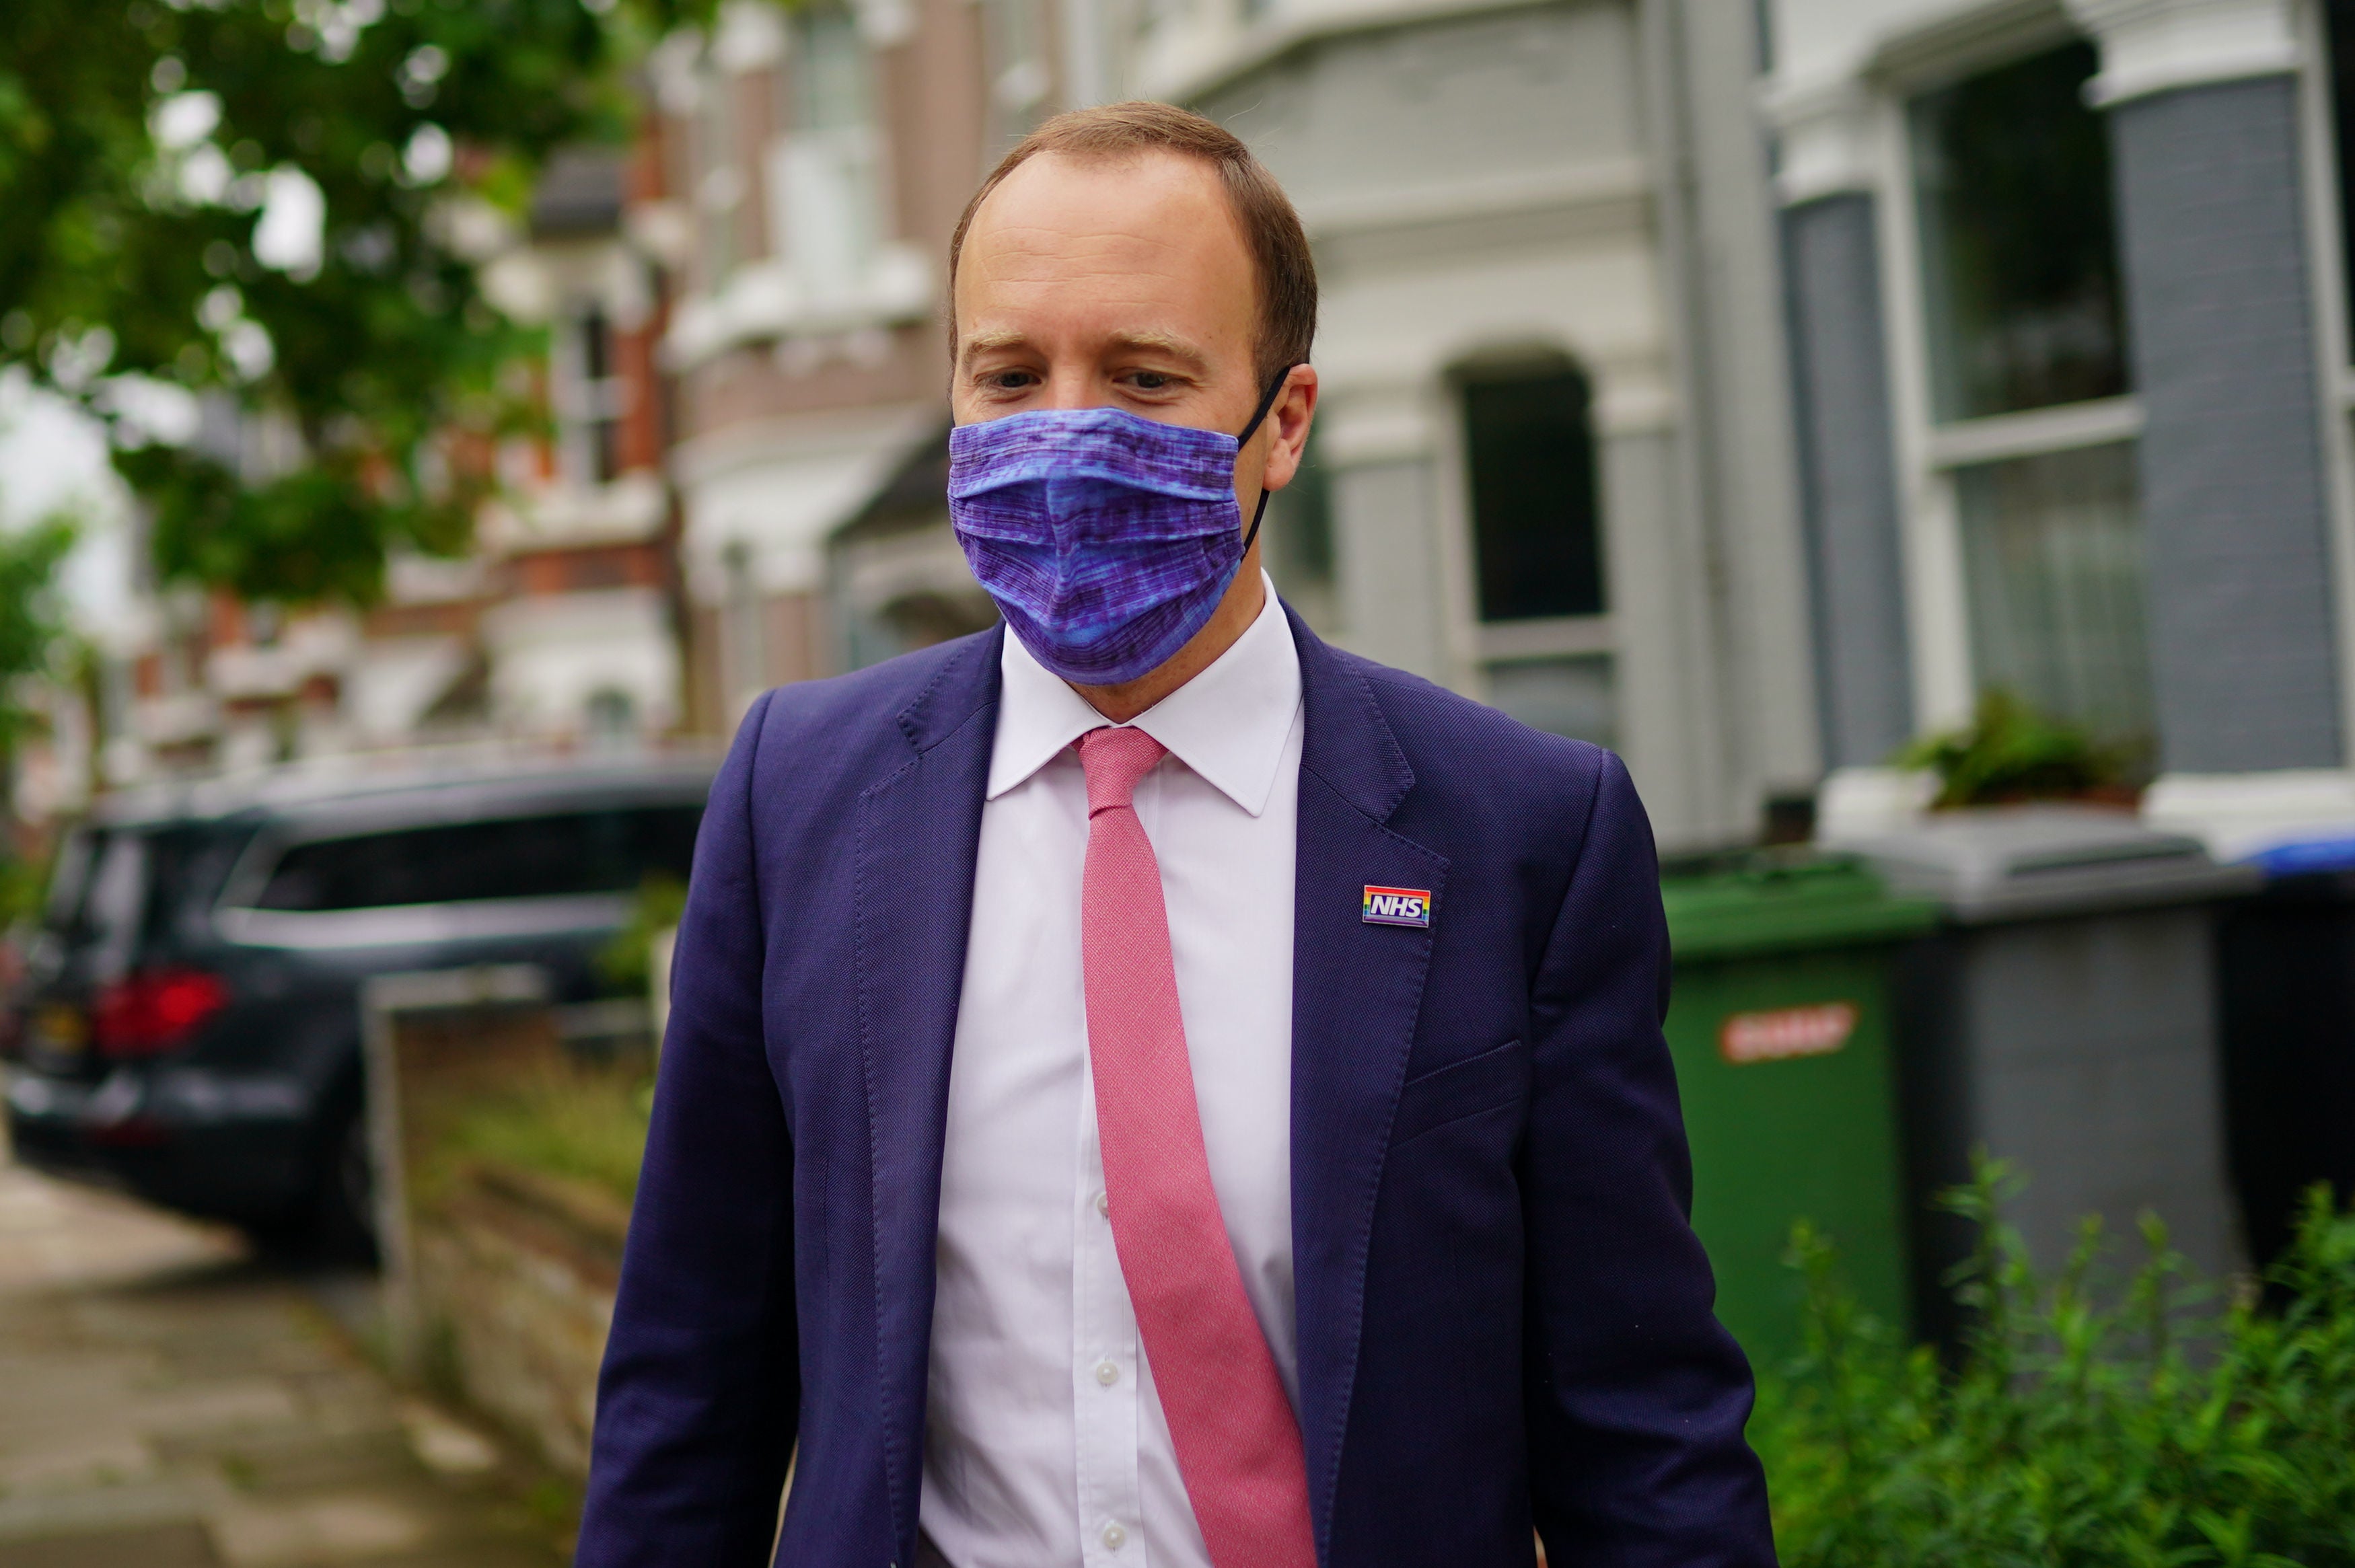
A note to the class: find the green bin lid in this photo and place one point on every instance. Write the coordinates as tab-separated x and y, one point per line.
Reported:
1770	902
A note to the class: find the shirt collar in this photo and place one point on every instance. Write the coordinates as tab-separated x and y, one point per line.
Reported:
1227	723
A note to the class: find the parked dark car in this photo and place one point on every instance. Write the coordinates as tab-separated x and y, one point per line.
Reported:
188	1025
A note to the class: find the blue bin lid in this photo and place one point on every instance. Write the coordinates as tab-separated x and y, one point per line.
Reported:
2306	856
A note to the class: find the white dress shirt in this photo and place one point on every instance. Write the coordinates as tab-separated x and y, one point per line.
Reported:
1045	1445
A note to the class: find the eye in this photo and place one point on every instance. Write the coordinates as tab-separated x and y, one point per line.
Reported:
1152	380
1009	380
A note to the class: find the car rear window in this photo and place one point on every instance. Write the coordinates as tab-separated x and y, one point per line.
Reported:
69	879
116	899
126	891
546	856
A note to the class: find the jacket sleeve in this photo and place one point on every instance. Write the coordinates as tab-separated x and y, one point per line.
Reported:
698	1401
1637	1398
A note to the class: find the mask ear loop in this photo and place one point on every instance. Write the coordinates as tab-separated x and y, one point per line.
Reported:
1266	402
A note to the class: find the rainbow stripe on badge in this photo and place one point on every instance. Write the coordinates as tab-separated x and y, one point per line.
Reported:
1397	907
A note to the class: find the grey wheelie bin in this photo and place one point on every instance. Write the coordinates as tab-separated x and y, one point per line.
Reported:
2064	1019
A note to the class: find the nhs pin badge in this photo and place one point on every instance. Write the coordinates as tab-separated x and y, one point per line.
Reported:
1397	906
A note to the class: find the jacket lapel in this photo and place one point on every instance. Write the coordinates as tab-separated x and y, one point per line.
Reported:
919	828
1357	990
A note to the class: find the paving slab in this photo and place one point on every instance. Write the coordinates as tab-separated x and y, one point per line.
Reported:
168	1401
168	1546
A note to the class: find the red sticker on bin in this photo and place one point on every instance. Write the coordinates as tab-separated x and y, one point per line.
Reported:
1787	1032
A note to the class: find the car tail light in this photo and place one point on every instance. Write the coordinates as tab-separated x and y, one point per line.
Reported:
149	1013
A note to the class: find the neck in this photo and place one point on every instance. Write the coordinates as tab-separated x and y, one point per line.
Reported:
1244	599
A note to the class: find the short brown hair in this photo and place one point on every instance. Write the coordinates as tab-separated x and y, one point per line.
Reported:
1279	246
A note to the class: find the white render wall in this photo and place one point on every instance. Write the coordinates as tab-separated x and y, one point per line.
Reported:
1482	183
552	655
777	489
1825	40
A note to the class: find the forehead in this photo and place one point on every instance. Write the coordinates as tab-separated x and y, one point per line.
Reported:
1141	235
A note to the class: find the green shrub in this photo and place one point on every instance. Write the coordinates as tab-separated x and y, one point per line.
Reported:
2144	1426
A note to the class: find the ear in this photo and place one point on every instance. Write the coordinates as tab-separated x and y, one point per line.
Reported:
1288	426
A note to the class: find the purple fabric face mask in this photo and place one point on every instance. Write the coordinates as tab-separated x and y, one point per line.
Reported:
1107	540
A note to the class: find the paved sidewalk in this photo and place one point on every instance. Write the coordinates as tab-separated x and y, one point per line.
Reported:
166	1401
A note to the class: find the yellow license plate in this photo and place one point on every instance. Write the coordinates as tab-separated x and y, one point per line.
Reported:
61	1030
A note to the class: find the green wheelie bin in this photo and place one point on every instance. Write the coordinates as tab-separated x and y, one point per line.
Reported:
1780	1025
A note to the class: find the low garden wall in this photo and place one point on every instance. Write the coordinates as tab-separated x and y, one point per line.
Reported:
507	1134
515	1277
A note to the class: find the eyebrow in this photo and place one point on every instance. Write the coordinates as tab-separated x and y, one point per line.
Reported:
1161	343
983	343
1174	347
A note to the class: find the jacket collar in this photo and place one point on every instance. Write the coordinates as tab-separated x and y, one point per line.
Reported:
965	683
1348	745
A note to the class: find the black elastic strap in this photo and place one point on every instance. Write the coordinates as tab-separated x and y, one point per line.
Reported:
1260	512
1266	401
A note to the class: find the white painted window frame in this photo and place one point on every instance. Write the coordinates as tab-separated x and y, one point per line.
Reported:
870	187
1928	452
581	405
1472	645
719	187
2319	165
1456	560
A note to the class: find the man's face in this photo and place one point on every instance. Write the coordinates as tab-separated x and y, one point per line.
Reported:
1127	283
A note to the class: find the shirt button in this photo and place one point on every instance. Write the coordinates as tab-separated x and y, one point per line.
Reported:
1107	1374
1103	1203
1115	1537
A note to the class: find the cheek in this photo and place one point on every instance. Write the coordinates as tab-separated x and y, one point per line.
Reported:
1249	463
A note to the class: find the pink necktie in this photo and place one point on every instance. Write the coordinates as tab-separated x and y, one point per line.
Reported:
1238	1443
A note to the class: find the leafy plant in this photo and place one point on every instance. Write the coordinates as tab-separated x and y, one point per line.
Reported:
2144	1427
627	963
2010	752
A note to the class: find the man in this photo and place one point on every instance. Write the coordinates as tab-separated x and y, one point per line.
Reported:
1151	1088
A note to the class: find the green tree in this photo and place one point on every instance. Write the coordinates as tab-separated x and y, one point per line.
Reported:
32	616
264	204
35	642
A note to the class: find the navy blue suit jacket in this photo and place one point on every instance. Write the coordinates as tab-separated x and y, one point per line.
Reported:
1504	1317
